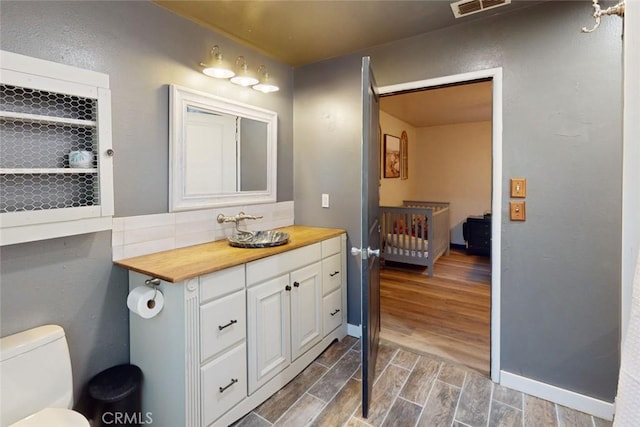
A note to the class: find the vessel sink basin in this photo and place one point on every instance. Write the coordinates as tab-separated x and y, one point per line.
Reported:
259	239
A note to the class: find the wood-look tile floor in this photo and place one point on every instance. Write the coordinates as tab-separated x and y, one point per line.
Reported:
410	390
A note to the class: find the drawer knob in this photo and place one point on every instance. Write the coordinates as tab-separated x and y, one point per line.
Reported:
233	381
232	322
296	284
334	273
287	288
335	312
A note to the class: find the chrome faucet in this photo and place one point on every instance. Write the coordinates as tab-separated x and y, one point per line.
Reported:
240	234
236	218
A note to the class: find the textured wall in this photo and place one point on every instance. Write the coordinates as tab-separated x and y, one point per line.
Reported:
456	168
327	156
562	131
69	282
143	48
394	190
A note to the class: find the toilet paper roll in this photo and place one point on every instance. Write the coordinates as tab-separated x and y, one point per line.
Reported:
146	302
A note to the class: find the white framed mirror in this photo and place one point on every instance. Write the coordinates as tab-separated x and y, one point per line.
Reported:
221	152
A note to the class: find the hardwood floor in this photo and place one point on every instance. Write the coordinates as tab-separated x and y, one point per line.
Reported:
448	315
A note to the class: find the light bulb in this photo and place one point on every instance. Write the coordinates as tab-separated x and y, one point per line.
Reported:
244	77
217	67
265	85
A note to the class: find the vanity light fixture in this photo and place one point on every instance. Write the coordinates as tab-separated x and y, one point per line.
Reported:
244	76
217	67
265	85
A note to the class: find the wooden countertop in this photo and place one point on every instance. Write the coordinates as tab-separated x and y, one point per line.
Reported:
184	263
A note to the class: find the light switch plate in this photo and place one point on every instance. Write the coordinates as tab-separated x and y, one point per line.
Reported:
325	200
517	211
518	187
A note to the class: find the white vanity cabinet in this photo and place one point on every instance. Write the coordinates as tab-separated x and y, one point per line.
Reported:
333	275
284	313
222	339
47	111
226	341
193	353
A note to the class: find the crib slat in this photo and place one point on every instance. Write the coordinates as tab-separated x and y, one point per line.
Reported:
417	233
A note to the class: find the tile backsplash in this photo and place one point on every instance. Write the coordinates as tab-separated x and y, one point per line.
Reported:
146	234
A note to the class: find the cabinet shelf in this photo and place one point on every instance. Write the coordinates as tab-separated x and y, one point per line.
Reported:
27	117
48	110
34	171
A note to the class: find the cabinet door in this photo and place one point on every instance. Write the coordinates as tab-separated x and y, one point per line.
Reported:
306	300
268	323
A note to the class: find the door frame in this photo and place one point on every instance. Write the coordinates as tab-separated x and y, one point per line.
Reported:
495	74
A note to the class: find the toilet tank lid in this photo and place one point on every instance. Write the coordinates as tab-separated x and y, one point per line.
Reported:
22	342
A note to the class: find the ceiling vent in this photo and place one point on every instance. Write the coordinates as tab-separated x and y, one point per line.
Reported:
468	7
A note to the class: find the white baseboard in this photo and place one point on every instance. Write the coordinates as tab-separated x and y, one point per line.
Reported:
570	399
354	330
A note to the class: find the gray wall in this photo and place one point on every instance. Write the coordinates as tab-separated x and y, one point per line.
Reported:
143	48
327	130
562	108
69	282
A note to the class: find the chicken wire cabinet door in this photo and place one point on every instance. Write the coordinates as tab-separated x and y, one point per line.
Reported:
56	166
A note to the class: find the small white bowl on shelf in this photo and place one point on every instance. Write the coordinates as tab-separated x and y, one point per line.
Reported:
81	159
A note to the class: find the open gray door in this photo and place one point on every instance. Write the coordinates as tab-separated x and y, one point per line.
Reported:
369	250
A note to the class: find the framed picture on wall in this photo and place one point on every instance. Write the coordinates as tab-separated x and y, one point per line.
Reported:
380	155
404	155
391	156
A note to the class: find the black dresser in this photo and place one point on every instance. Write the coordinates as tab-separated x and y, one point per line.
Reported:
477	233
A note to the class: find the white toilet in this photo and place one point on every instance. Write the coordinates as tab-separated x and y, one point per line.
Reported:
37	386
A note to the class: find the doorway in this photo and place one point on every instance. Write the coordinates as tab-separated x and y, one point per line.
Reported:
494	76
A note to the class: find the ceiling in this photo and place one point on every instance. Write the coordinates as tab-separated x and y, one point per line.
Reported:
300	32
441	106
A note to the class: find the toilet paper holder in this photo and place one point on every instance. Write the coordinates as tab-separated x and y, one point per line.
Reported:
153	283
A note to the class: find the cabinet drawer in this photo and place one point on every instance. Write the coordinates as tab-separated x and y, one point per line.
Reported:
222	323
221	283
479	233
224	383
331	273
276	265
332	311
331	246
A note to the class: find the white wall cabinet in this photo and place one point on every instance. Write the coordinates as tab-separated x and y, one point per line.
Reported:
46	111
226	341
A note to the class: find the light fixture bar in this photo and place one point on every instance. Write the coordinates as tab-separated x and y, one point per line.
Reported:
242	76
